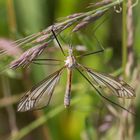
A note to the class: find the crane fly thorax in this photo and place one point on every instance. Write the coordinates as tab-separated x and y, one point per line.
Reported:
70	62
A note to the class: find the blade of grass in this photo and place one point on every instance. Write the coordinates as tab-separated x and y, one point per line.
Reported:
123	116
40	121
11	16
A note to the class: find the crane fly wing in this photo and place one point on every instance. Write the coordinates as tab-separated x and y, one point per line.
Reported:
119	87
39	96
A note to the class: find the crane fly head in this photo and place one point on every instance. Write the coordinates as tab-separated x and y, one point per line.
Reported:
70	61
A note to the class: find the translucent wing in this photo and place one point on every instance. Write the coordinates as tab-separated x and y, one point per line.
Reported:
39	96
119	87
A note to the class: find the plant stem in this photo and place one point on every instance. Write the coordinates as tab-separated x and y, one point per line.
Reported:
10	109
11	16
124	37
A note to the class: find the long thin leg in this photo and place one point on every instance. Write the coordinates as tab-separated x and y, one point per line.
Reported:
48	59
45	63
102	48
100	24
103	95
58	42
37	61
94	52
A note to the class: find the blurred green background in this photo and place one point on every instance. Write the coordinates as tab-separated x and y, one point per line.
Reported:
88	117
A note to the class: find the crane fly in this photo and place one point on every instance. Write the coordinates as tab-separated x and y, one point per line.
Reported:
40	95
